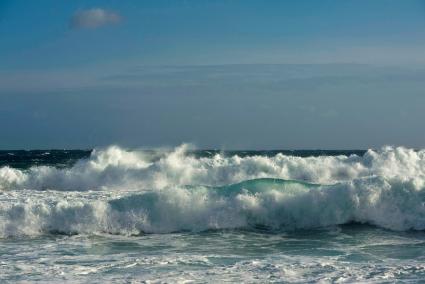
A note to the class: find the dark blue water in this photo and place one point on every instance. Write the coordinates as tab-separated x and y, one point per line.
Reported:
65	158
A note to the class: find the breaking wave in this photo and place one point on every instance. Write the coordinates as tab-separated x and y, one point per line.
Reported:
123	192
115	168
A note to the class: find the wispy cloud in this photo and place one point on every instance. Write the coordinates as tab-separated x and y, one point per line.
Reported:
94	18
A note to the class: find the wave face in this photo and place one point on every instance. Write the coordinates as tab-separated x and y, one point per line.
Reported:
131	192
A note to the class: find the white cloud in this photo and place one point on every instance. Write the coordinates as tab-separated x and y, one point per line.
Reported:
94	18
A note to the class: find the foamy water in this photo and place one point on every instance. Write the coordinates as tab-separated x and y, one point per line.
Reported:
175	216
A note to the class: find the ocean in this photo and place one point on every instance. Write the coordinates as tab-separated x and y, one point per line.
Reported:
191	216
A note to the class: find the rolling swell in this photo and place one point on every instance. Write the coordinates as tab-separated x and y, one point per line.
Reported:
274	204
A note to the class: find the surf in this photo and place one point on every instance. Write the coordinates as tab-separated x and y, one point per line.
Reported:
272	204
115	168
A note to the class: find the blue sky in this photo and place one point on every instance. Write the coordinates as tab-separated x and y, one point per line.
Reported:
219	74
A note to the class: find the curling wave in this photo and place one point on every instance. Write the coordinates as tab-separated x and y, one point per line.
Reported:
132	192
272	204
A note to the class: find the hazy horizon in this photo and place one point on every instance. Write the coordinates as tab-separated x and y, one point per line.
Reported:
217	74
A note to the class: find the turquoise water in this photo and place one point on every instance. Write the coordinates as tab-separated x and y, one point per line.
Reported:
114	215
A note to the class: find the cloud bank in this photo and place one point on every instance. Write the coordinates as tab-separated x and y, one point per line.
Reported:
93	18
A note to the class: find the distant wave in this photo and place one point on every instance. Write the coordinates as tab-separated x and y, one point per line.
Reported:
123	192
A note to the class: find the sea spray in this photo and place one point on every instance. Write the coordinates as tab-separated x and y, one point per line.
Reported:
184	215
114	168
271	204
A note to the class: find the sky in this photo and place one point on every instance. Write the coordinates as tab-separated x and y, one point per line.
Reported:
224	74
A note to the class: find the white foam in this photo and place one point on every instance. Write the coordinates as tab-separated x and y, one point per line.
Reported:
396	206
116	168
134	193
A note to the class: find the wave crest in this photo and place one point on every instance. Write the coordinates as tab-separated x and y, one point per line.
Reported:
131	192
267	203
116	168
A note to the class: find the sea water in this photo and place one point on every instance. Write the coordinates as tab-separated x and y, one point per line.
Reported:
124	216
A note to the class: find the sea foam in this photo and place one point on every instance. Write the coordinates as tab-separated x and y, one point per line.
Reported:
268	204
129	192
115	168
